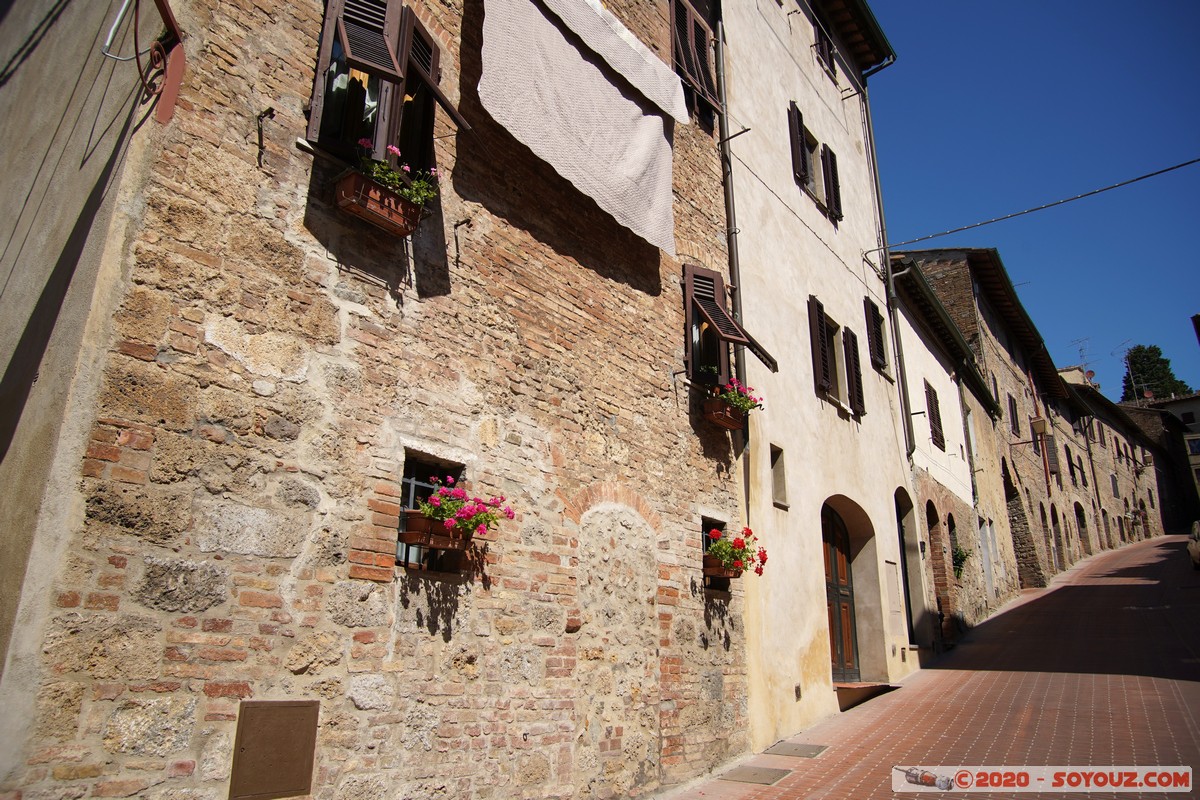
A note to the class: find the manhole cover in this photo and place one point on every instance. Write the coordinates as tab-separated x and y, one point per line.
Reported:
796	750
764	775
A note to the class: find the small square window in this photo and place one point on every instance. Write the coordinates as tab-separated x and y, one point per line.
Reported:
415	485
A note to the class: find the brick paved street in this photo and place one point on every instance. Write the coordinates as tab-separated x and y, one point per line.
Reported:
1100	668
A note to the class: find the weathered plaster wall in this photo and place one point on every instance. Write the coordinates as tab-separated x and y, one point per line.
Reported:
790	250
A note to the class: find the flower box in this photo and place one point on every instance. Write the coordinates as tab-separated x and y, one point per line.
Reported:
714	568
424	531
718	412
359	196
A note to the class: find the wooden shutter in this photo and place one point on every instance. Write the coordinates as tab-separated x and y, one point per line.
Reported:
854	381
708	296
822	353
801	168
693	48
368	31
1052	454
833	192
422	59
934	412
875	337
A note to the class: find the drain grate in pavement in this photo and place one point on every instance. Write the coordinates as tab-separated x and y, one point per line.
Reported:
764	775
796	750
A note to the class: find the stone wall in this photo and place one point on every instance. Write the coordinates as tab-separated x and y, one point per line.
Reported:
270	369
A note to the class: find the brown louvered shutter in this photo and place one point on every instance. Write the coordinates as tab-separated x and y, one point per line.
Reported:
934	412
822	354
368	32
693	48
421	55
708	294
875	338
1052	454
854	389
801	169
833	191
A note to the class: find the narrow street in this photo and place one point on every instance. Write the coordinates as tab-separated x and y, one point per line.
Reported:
1100	668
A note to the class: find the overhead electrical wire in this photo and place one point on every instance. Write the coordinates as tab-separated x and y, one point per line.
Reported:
1047	205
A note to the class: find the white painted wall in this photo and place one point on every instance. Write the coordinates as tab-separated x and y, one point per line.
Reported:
790	250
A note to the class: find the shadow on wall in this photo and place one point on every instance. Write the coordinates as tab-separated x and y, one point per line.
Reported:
22	371
32	41
363	250
502	174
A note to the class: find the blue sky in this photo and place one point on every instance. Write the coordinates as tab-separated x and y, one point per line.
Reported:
994	106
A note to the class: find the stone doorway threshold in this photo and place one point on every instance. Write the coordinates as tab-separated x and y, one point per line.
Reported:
852	694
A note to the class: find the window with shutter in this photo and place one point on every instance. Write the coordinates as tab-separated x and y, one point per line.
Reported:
934	412
823	364
833	192
824	48
692	45
377	79
711	328
1052	454
1013	421
876	342
802	150
854	382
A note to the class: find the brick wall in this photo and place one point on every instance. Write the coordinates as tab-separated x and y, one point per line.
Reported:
272	364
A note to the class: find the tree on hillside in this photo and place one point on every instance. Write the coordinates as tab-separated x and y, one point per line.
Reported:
1145	368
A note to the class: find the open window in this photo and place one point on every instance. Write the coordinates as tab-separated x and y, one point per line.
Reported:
711	328
415	485
377	79
692	46
833	191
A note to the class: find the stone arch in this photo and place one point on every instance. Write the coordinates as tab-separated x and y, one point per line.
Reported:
609	492
1029	561
869	621
943	568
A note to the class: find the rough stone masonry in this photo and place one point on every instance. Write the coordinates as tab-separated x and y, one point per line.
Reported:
272	367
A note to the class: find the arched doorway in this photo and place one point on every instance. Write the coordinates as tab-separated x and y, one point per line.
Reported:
910	566
1029	563
1108	540
1060	556
839	597
1082	527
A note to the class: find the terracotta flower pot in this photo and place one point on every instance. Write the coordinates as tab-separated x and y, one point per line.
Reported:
359	196
425	531
714	568
718	412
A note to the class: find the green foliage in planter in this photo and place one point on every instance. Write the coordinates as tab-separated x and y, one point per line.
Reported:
960	557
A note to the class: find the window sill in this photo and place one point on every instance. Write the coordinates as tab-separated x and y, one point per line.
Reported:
782	506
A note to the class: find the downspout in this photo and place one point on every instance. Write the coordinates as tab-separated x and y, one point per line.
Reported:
910	444
731	233
731	230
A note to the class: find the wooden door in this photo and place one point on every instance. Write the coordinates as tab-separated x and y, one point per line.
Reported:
839	597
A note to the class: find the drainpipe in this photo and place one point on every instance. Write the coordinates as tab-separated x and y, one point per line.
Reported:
910	438
731	230
731	233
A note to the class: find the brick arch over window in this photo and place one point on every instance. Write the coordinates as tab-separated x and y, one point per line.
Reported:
609	492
